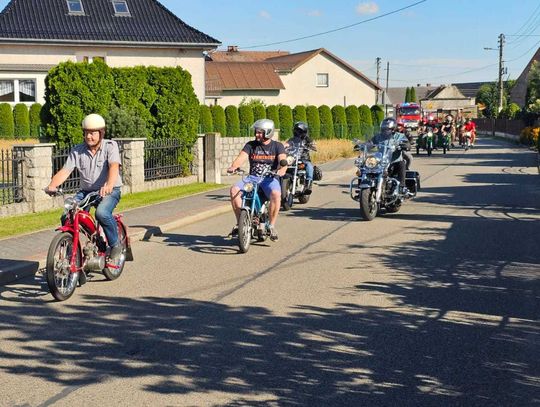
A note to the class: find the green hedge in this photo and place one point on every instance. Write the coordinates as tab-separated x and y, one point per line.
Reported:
299	114
259	112
21	120
314	122
327	126
206	124
126	123
286	122
340	121
366	121
35	120
272	113
7	126
218	117
233	121
245	115
377	116
353	121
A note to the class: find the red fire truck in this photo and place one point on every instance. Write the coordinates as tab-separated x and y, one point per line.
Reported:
408	114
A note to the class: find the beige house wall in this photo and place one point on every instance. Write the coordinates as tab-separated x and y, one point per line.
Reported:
235	97
190	60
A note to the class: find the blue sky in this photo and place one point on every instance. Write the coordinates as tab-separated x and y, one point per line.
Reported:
434	42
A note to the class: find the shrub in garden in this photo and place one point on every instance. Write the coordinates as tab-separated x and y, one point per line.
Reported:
218	118
21	120
233	121
206	124
327	126
35	120
259	112
7	127
125	123
511	111
272	113
286	122
245	115
299	114
313	122
339	119
377	116
529	136
353	121
366	123
412	95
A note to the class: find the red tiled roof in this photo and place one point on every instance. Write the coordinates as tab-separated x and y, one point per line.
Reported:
240	75
244	56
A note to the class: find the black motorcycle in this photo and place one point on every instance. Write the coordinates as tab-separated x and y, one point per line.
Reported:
294	183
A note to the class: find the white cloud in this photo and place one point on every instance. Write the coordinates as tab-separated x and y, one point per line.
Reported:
265	14
314	13
367	8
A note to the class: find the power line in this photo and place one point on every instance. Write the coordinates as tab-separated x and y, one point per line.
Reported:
336	29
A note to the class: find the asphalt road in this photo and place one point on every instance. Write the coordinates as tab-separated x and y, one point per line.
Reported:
435	305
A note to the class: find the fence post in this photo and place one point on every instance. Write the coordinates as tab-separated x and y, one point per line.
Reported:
198	158
212	158
37	174
132	163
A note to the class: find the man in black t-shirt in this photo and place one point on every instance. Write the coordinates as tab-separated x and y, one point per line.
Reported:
264	154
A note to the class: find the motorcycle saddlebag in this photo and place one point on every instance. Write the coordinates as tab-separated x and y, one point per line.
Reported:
317	173
412	181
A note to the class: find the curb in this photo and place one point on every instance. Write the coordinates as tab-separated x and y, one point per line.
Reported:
26	268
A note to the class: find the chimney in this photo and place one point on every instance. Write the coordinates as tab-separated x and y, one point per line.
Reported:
232	48
428	84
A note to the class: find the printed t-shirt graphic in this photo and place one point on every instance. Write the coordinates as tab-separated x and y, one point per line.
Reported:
263	157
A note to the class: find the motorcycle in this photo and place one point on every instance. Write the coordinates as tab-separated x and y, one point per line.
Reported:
445	141
467	135
425	141
80	248
294	183
254	211
376	186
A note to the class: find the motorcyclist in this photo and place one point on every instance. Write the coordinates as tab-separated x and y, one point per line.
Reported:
301	138
98	162
389	132
263	154
407	156
470	126
448	127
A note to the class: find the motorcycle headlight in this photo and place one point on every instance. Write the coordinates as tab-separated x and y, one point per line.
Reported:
248	187
372	162
290	160
69	203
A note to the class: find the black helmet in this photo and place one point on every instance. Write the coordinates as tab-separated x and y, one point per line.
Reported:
300	129
388	125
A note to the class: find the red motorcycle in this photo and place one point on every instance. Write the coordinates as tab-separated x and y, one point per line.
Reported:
81	248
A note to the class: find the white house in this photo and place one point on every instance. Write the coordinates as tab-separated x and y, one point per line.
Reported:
36	35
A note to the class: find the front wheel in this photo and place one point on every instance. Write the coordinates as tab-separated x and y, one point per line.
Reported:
113	273
61	281
244	231
287	200
368	204
303	199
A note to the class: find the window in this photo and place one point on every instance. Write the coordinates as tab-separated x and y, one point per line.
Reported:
75	7
322	80
92	59
121	8
15	90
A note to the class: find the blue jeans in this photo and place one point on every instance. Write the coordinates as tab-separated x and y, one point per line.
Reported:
309	170
104	214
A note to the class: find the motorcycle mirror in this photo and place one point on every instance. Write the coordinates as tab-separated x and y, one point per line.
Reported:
283	163
355	141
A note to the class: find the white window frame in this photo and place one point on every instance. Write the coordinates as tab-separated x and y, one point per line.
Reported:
17	91
76	12
321	75
121	13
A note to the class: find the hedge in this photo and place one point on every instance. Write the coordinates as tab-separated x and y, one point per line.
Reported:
259	112
353	121
313	122
377	116
327	126
272	113
340	121
35	120
299	114
366	121
218	118
286	122
233	121
7	126
124	122
206	124
21	120
246	117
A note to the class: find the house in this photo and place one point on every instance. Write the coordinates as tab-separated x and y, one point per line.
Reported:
36	35
397	95
315	77
448	99
519	91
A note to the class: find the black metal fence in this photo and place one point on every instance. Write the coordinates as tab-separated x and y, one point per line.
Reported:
59	158
500	125
163	158
11	185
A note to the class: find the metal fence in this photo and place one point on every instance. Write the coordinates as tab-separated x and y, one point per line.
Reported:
59	158
163	158
500	125
11	185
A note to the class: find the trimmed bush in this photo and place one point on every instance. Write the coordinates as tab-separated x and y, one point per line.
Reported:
353	121
340	121
408	95
218	118
7	126
377	116
327	126
259	112
245	115
366	123
21	120
511	111
272	113
125	123
206	124
412	95
299	114
314	122
35	120
286	122
233	121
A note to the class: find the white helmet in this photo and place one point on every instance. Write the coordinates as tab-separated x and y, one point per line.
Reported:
265	125
93	122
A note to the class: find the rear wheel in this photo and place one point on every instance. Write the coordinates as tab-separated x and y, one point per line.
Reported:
244	231
113	273
61	281
429	149
287	199
303	199
368	204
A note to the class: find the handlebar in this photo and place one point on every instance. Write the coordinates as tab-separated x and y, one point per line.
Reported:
58	192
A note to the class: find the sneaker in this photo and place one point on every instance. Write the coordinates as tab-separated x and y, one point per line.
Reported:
234	231
273	233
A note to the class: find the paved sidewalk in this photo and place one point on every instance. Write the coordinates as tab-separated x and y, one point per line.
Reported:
23	256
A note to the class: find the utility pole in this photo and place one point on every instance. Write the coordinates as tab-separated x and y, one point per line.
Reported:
386	91
501	72
378	62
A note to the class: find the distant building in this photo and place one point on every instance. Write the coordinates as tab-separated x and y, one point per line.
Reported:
519	91
448	99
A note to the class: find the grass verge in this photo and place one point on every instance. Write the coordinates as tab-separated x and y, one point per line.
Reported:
22	224
329	150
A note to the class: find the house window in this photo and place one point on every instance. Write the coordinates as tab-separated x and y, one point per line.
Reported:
15	90
75	7
121	8
322	80
89	60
